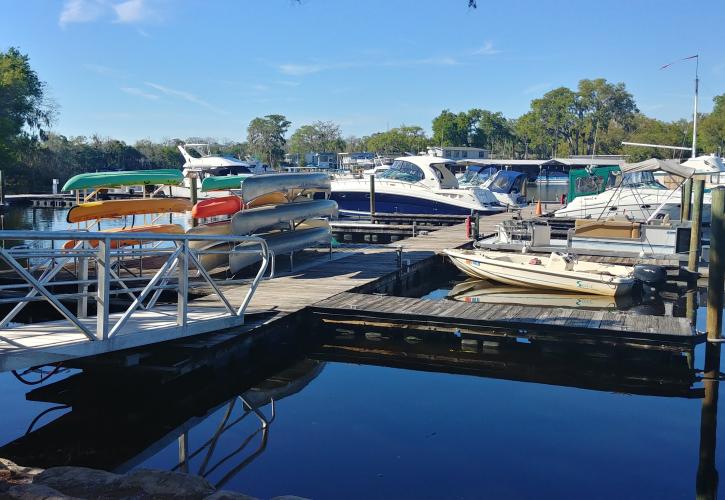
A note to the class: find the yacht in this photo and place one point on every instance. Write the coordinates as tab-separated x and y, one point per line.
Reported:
414	185
201	163
506	185
635	194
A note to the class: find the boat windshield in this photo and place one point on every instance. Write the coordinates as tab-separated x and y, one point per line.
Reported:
402	170
633	180
505	181
477	174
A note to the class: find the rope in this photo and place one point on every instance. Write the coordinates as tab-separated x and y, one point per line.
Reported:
42	379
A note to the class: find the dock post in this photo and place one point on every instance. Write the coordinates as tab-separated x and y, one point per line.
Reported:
717	264
476	226
193	195
372	198
103	275
698	190
686	199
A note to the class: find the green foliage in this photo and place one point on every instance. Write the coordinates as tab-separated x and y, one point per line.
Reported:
265	137
651	131
712	128
403	139
320	137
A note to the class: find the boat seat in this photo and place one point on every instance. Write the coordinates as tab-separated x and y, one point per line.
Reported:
607	229
560	262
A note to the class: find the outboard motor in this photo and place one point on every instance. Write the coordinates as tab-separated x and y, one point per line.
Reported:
653	278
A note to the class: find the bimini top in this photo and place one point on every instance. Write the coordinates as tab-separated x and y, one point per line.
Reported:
98	180
701	165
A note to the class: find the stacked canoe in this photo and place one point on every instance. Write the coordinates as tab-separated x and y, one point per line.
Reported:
277	207
99	210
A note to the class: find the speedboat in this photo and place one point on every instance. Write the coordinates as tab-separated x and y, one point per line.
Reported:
414	185
508	187
634	193
201	163
559	271
475	175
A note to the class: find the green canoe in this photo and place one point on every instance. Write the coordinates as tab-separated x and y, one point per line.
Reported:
97	180
223	182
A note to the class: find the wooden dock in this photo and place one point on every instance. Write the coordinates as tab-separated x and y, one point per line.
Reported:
495	320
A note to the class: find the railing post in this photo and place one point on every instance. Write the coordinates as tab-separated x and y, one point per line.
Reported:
183	287
103	268
83	287
698	190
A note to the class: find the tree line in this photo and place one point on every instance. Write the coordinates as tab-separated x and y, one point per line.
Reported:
592	119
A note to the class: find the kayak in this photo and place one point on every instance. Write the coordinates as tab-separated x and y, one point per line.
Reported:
223	182
118	208
151	228
249	221
97	180
291	185
212	207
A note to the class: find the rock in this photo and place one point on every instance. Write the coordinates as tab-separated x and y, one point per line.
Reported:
229	495
166	484
36	492
12	474
79	481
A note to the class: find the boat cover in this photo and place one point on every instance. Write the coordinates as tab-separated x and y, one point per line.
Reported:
653	164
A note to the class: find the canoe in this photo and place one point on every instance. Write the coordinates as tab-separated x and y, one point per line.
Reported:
213	207
222	182
281	243
291	185
150	228
249	221
557	271
118	208
97	180
277	240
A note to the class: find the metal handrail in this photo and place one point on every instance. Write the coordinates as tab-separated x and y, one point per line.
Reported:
172	275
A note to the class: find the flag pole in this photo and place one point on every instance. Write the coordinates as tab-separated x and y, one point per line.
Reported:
694	115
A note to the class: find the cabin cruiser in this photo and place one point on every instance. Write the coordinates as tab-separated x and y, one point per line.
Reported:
634	193
475	175
414	185
506	185
201	163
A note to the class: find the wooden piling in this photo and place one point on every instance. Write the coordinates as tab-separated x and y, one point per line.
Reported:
686	199
372	197
698	190
717	264
193	196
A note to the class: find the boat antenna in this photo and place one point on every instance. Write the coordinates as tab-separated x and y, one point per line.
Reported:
696	57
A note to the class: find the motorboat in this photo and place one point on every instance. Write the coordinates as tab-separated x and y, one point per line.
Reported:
508	187
634	193
414	185
476	291
200	163
553	178
475	175
559	271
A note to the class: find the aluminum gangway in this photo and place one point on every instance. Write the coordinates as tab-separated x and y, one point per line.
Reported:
54	267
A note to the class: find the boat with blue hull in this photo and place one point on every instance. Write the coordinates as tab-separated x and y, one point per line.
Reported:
414	185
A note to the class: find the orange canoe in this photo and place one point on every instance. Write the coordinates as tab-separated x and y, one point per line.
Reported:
151	228
212	207
109	209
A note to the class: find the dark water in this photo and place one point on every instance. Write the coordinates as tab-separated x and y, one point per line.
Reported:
374	416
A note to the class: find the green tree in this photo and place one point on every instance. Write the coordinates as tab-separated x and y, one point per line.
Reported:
712	128
652	131
451	129
403	139
266	137
25	111
317	138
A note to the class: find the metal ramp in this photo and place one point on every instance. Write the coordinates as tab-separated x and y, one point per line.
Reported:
145	321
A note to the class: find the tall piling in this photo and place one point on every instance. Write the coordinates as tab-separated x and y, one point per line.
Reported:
372	198
698	190
715	283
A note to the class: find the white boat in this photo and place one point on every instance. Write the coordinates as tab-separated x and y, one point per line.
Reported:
201	163
414	185
636	195
558	271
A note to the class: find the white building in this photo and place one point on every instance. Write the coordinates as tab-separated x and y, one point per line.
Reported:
458	152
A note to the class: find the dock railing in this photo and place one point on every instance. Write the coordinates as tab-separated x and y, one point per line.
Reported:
74	253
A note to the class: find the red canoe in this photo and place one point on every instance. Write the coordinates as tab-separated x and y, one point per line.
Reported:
226	205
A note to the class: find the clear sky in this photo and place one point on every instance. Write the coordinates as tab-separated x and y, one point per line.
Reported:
134	69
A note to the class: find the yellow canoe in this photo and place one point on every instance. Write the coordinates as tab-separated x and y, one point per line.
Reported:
150	228
118	208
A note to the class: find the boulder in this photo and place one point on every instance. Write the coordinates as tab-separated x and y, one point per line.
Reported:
161	484
78	481
36	492
229	495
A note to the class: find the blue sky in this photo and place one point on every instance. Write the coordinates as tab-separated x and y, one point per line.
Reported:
134	69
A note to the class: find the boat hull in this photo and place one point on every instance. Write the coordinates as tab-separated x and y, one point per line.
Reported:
292	184
358	202
109	209
98	180
248	221
480	267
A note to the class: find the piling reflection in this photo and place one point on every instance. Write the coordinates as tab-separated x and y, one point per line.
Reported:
707	476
